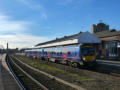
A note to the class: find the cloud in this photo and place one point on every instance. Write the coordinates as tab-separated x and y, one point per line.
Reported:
7	24
22	40
15	33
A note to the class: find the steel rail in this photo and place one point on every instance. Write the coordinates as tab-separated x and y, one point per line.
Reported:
15	77
51	76
37	82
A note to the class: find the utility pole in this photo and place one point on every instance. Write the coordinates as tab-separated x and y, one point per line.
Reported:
7	48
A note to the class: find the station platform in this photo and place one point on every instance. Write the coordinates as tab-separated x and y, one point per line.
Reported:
108	62
7	81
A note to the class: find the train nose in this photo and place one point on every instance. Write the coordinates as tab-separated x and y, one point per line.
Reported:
88	58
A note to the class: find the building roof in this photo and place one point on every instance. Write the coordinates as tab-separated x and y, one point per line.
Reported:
79	38
107	33
102	34
61	39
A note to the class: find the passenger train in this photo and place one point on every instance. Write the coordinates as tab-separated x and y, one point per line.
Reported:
73	55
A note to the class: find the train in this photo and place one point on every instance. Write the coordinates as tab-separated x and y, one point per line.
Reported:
73	55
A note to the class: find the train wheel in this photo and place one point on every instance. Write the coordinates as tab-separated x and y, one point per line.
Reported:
69	63
56	61
75	65
48	59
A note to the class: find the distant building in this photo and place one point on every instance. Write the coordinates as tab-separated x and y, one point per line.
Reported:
99	27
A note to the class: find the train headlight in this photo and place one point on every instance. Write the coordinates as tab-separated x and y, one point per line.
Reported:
84	59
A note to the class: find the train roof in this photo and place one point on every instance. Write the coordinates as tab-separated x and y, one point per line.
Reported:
80	38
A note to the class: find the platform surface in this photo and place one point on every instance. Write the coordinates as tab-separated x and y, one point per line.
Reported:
7	81
108	62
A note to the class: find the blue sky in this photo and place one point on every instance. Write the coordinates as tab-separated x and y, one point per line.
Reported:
24	23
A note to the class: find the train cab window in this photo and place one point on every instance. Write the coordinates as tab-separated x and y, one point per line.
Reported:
88	51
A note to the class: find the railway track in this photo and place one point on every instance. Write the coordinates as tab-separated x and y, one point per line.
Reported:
36	85
108	68
16	78
66	84
101	67
57	83
99	78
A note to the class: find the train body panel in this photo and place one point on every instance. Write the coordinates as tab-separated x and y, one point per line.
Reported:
70	53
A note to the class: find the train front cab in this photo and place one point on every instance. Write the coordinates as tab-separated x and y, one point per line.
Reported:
88	55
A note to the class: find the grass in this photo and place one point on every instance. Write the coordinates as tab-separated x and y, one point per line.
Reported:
52	69
46	67
83	78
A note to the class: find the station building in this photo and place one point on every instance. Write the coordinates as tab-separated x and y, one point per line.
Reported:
110	46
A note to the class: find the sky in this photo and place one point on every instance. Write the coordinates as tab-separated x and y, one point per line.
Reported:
25	23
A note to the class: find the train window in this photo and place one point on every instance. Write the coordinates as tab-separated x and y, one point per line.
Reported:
45	53
60	53
57	53
75	53
54	52
69	53
51	53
